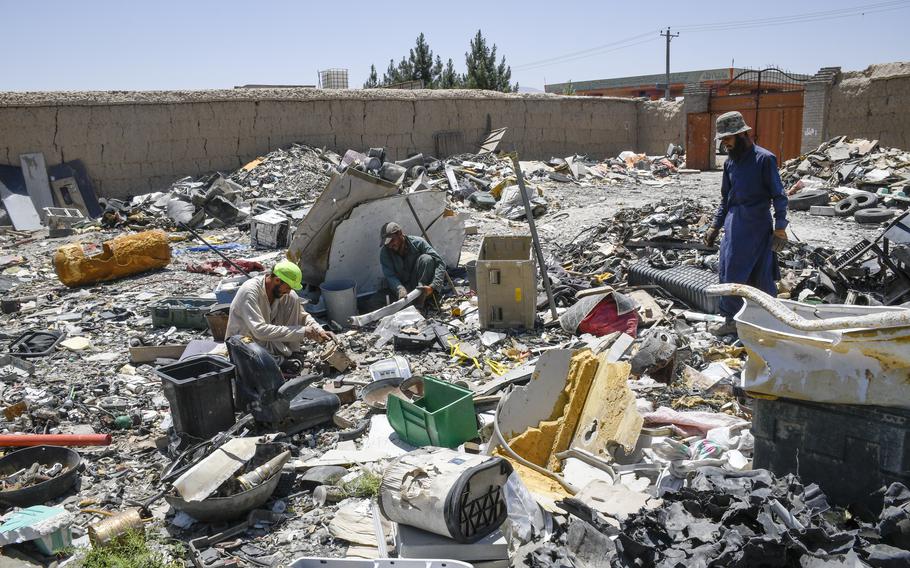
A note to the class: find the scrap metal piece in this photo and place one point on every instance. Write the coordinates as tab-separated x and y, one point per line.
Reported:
894	317
394	307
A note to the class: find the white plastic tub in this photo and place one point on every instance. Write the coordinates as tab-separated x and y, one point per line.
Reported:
861	365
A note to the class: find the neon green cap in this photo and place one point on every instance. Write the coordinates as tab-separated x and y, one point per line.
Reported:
289	273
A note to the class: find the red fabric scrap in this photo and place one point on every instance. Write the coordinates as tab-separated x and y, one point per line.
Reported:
603	320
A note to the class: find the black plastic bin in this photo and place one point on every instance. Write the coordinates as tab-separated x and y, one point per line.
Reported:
199	392
849	451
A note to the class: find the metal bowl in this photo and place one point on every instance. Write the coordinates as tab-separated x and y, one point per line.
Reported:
46	490
215	509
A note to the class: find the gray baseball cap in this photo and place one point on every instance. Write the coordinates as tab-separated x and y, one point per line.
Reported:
387	230
731	123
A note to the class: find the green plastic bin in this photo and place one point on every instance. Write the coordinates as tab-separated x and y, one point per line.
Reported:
443	417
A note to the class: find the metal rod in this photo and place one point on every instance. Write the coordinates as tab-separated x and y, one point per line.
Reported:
423	232
898	317
218	252
541	263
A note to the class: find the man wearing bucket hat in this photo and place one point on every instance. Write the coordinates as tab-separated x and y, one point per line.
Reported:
268	310
750	187
409	263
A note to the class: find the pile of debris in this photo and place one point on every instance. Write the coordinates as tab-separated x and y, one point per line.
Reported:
724	518
862	178
483	428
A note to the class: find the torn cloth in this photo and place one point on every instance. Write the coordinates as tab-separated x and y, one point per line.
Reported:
603	319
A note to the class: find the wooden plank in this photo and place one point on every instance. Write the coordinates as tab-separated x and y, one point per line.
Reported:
150	353
34	170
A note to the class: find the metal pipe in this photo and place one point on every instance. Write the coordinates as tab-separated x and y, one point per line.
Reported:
541	262
501	440
588	458
28	440
895	318
218	252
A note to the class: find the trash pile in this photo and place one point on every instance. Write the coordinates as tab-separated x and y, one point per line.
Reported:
863	179
726	518
490	426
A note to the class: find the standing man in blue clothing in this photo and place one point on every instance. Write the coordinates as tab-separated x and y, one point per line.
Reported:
410	263
750	187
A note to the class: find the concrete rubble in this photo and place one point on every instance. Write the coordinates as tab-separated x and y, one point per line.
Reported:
617	433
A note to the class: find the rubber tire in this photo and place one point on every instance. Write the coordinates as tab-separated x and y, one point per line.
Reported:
874	215
846	207
866	200
803	200
854	203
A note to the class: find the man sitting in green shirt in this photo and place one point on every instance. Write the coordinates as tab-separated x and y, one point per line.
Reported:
410	263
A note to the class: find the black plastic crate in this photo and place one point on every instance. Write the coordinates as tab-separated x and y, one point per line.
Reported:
200	394
849	451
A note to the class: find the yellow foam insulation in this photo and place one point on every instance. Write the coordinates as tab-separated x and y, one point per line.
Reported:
544	489
534	444
539	445
582	370
119	257
609	416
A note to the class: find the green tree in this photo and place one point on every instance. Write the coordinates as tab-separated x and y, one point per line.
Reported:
420	63
449	78
373	81
482	70
391	75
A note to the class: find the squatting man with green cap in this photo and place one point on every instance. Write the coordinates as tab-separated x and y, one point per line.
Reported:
268	310
410	263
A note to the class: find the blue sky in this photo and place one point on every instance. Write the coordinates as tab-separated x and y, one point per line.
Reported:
167	44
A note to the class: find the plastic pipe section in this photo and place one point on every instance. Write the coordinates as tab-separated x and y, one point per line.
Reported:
27	440
781	312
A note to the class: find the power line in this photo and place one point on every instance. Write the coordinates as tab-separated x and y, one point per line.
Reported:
648	40
824	15
799	18
590	50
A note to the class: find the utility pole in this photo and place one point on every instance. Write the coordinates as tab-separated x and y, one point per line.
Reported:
669	36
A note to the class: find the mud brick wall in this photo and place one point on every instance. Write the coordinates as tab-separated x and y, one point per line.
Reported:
137	142
659	124
871	104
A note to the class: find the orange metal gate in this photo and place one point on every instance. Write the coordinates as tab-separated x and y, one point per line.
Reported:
776	119
771	102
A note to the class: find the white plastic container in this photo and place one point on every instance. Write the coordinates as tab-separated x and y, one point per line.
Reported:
340	300
392	368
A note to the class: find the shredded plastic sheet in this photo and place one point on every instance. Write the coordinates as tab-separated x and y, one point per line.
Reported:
694	420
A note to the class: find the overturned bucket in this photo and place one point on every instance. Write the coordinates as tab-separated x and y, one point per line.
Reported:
340	300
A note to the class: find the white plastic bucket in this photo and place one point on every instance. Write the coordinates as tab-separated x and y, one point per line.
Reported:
340	300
